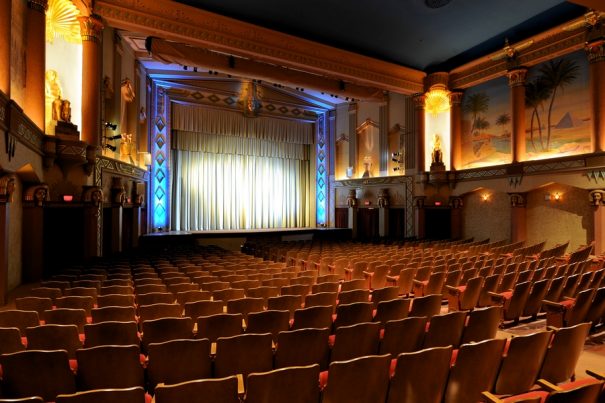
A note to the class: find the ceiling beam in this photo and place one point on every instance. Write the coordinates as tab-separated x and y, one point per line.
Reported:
181	23
593	4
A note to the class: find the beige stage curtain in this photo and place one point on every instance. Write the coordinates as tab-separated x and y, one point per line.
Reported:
226	123
229	172
230	191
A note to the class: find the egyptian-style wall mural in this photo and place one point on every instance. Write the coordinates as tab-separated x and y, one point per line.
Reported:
486	124
557	119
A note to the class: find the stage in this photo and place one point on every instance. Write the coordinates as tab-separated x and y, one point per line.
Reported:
234	239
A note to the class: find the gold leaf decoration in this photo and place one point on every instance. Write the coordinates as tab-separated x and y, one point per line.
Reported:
61	21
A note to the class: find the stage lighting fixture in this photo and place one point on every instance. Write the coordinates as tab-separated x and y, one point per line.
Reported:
116	137
109	146
110	125
396	169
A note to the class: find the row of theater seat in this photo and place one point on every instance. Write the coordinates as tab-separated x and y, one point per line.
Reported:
499	366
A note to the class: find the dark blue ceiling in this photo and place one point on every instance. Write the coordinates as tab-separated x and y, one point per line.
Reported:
406	32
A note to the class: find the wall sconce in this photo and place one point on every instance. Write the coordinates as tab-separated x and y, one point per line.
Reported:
485	197
556	196
553	197
110	125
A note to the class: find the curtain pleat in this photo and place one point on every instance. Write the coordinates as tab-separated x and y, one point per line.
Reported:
198	119
212	143
230	191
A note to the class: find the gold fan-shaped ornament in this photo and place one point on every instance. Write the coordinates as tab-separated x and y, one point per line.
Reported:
437	101
62	21
590	19
511	51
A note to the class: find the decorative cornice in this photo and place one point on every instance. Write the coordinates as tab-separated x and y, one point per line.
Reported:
115	167
596	51
91	28
23	129
36	194
7	188
456	97
597	197
516	76
182	23
383	180
419	100
38	5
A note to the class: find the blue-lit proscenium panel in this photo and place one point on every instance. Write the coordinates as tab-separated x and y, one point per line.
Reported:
160	146
321	171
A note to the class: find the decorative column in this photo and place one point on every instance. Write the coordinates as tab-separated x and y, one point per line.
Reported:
5	47
518	217
352	203
35	31
456	128
516	82
91	29
420	216
596	71
383	212
353	138
597	200
419	112
137	204
93	221
33	232
7	187
455	204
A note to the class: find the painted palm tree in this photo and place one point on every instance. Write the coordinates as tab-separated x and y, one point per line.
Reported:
475	104
536	92
482	123
557	74
502	120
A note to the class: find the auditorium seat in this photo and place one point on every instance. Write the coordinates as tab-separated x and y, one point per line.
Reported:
178	361
109	367
33	399
165	329
159	310
421	376
111	333
360	380
392	310
355	341
299	289
445	330
432	285
151	288
10	340
115	300
403	336
596	312
87	283
53	374
474	371
66	316
153	298
245	306
314	317
570	311
243	354
353	313
46	292
522	363
223	390
465	297
321	299
126	281
533	305
19	319
34	304
428	305
377	277
228	294
384	294
203	308
76	302
54	337
555	289
270	321
291	385
353	296
60	283
513	301
113	313
116	289
350	285
490	284
126	395
563	353
215	286
183	287
219	325
303	347
482	324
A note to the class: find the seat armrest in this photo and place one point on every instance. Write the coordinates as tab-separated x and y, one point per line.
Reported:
552	306
490	398
455	291
368	274
598	375
418	282
497	297
347	270
551	387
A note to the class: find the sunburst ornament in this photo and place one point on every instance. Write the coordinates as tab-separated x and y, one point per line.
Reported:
437	101
61	21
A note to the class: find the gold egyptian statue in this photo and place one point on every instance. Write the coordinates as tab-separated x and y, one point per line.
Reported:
53	93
